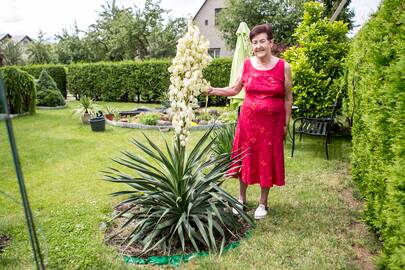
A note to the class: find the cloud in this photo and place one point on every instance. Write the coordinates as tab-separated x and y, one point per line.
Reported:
13	19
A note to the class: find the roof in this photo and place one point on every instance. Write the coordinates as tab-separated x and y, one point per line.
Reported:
200	9
4	36
19	38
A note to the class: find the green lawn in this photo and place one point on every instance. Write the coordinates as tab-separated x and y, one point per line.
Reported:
313	221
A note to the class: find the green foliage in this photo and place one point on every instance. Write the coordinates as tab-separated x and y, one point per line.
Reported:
177	200
51	98
377	102
86	106
121	81
109	109
228	116
123	34
136	80
318	62
71	48
283	15
149	118
76	202
20	90
48	93
57	72
45	82
12	53
217	74
39	51
206	116
223	139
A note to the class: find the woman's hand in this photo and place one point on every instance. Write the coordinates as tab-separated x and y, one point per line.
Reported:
210	91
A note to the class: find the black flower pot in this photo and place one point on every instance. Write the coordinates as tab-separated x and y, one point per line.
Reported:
97	123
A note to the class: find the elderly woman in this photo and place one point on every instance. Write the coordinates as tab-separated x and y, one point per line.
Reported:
263	120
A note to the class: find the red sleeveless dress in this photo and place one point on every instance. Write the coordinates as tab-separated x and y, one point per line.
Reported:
260	129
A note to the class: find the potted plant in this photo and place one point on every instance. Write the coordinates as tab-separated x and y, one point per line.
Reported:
98	123
109	111
86	109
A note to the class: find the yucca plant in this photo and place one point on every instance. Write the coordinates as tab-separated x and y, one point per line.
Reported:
86	109
223	139
175	199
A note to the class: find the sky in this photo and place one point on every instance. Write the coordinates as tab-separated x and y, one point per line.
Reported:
27	17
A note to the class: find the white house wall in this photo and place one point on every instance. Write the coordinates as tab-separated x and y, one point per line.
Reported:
210	32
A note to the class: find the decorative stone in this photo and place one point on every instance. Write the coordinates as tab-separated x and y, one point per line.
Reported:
163	123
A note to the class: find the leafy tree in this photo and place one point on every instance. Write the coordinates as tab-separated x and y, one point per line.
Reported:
123	34
39	52
283	15
127	33
163	38
12	53
2	57
71	48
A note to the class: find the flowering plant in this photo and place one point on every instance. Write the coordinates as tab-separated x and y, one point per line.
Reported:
186	79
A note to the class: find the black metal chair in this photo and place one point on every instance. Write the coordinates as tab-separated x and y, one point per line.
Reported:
320	127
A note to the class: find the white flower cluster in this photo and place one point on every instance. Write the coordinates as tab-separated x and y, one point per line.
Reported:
187	79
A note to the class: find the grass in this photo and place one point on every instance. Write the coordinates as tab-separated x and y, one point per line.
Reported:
310	224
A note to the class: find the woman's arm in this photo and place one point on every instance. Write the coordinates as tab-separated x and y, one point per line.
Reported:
288	97
227	91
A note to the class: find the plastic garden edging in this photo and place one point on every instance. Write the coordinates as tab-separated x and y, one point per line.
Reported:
176	260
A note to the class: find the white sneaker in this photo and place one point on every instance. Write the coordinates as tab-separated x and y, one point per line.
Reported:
234	211
261	211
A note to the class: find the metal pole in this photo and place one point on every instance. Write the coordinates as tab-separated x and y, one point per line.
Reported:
27	210
338	10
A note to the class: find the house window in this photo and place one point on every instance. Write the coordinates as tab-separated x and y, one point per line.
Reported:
217	11
206	22
214	52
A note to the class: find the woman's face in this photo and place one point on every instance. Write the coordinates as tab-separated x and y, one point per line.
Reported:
261	45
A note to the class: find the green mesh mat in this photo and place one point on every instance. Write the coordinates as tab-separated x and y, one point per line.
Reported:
176	260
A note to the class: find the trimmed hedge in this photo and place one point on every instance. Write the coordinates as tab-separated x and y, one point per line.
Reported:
20	90
57	72
135	80
218	74
377	99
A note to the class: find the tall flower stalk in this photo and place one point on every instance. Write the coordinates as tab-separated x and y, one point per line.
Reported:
186	79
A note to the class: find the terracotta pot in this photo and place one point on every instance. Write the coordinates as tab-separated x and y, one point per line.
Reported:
109	116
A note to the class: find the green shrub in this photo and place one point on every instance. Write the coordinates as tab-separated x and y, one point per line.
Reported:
223	139
20	90
57	72
51	98
377	101
45	82
120	81
135	80
174	200
48	93
149	118
317	62
217	74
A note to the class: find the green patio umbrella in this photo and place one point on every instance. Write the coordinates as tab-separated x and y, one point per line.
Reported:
243	50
